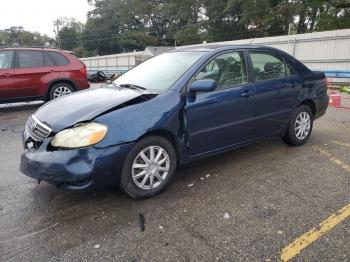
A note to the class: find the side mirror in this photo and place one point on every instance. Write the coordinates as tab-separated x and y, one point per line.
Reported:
205	85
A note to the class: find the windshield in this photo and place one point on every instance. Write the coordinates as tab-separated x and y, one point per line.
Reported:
161	72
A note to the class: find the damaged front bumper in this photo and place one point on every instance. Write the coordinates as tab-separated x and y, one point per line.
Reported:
75	169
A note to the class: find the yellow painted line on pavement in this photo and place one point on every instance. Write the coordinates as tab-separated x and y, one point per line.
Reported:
334	159
315	233
341	143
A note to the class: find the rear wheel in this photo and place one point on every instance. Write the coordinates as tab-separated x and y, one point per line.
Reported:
300	126
60	89
149	167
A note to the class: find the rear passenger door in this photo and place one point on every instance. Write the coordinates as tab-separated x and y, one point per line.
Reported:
276	89
30	73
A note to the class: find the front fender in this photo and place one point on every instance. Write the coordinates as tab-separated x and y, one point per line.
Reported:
128	124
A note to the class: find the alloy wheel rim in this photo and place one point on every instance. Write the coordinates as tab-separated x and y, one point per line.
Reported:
302	125
150	167
61	91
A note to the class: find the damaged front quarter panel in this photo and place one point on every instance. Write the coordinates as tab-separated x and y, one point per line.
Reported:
129	123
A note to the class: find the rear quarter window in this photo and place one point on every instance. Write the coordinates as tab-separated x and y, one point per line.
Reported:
56	59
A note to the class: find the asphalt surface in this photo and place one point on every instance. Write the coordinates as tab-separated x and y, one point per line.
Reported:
244	205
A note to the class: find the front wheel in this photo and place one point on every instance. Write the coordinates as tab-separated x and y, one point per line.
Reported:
300	126
149	167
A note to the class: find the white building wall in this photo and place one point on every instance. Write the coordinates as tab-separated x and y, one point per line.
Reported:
111	64
328	50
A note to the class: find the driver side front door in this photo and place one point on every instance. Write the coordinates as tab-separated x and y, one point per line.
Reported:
224	117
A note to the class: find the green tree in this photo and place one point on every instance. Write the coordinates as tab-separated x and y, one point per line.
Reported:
115	26
17	36
332	16
70	33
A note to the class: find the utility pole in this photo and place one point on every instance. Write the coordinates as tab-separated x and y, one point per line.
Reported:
58	33
289	29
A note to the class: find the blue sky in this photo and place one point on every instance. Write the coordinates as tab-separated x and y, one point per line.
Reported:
38	15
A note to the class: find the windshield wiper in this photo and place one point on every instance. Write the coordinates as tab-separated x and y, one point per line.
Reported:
133	86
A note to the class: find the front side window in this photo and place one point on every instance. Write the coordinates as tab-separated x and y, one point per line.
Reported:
267	66
6	59
227	70
28	59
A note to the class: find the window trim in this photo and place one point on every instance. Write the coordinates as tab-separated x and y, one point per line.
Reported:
210	59
296	72
17	59
269	52
13	59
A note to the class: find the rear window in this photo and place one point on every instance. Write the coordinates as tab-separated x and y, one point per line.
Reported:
28	59
56	59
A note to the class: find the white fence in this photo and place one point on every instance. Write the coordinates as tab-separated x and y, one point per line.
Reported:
327	51
111	64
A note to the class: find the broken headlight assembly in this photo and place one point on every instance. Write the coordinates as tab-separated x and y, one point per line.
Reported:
81	135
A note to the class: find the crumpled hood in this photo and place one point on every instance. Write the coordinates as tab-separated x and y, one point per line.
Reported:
83	106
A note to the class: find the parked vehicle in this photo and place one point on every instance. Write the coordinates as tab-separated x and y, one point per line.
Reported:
97	77
172	109
39	74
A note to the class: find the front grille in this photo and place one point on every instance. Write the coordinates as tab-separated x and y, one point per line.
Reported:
37	130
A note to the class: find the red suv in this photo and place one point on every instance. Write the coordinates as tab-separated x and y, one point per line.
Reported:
39	74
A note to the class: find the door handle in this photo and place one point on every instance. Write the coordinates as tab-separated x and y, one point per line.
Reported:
292	85
246	94
6	74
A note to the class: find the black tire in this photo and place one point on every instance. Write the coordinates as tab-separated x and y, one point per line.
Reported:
127	183
291	136
57	86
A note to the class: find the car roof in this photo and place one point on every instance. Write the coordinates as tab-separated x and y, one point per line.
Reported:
215	47
34	48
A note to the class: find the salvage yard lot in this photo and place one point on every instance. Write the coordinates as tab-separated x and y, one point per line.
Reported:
272	193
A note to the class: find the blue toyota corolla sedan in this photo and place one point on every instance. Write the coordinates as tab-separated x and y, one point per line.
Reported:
172	109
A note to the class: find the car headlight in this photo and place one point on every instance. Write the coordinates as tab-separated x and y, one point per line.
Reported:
81	135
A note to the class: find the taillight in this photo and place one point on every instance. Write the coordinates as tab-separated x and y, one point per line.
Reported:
327	82
83	70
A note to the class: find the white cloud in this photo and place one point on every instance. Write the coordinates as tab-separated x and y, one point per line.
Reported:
38	15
